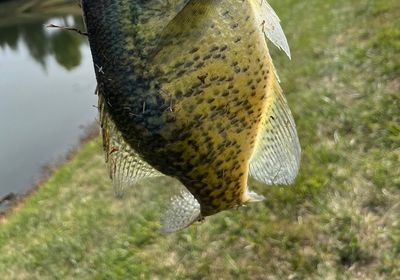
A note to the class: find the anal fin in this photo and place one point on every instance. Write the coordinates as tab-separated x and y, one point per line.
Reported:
183	211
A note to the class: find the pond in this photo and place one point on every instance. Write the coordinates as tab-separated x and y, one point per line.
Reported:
47	97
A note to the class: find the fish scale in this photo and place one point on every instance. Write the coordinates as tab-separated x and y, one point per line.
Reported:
184	87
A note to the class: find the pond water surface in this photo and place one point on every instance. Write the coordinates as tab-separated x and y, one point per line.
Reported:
47	88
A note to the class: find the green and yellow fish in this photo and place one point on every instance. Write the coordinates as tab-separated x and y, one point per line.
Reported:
187	89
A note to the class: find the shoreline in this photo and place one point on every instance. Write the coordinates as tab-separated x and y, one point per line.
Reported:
11	202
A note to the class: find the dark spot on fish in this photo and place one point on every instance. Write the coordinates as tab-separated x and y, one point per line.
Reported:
202	78
234	121
214	78
170	118
194	50
188	93
188	64
184	135
223	48
178	94
179	64
199	101
208	56
200	64
180	73
214	48
198	92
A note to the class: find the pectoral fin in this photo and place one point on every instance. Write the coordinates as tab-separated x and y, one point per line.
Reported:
125	166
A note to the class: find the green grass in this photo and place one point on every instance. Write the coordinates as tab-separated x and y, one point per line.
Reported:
339	221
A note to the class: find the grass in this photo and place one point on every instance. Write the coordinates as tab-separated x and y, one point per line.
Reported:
339	221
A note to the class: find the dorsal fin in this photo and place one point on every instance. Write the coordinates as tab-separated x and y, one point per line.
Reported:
270	24
125	166
276	157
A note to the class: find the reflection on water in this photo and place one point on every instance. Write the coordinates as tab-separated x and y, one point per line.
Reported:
46	93
43	42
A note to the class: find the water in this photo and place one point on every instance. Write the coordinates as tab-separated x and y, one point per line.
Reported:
47	88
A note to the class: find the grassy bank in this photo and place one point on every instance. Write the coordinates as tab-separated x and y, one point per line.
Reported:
339	221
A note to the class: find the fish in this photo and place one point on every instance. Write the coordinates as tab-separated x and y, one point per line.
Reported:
187	89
